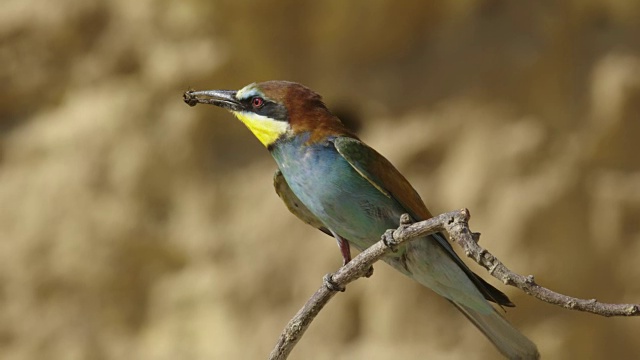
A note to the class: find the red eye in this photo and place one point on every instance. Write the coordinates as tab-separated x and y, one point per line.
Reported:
257	102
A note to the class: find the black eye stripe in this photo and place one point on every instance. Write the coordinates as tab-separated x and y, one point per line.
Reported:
273	111
246	103
269	109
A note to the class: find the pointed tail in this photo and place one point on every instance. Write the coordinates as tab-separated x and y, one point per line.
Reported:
503	335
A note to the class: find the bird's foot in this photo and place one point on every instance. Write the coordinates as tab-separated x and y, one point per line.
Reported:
345	249
369	272
331	285
389	241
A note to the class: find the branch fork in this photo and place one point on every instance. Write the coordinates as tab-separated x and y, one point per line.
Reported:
456	225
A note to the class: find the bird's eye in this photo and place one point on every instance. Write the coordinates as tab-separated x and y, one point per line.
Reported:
257	102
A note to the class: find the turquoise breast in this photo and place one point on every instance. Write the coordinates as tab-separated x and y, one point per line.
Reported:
335	192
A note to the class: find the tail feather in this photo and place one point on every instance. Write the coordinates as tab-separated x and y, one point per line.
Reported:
509	341
432	265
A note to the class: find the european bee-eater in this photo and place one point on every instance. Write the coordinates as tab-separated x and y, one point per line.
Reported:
333	181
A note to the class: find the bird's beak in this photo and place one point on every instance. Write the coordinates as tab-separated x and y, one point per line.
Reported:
223	98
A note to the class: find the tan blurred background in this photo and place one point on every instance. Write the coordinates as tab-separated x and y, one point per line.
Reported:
135	227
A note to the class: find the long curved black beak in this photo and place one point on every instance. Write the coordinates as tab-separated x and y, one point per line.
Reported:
223	98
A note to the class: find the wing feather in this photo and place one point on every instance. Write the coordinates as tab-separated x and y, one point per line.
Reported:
388	180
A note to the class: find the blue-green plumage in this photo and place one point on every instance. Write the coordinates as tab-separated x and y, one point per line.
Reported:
329	185
334	182
334	192
349	205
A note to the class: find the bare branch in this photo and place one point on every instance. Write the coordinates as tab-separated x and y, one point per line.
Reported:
460	233
455	224
356	268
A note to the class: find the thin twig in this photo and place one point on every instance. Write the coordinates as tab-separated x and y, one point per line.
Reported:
456	225
467	240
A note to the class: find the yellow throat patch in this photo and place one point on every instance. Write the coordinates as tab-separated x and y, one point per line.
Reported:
265	129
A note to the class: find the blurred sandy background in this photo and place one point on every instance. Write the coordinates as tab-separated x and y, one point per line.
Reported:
135	227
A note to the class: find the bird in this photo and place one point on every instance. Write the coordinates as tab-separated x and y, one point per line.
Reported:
333	181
